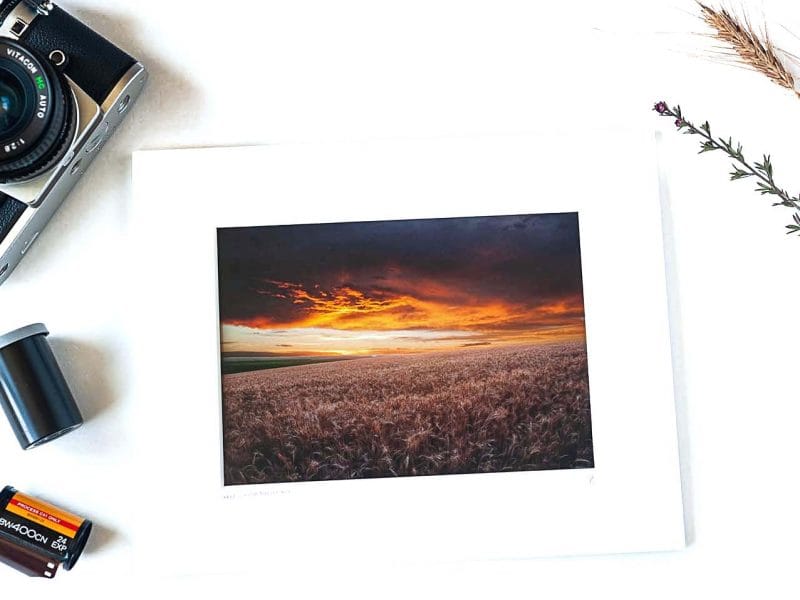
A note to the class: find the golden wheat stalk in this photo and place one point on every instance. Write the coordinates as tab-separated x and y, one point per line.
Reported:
752	49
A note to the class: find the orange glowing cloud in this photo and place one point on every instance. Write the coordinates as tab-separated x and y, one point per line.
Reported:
401	286
347	308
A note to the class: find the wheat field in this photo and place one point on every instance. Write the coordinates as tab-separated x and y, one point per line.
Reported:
513	408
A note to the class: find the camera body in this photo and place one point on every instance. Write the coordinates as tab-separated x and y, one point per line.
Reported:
64	89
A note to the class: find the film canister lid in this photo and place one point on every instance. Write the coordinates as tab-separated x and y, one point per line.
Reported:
33	392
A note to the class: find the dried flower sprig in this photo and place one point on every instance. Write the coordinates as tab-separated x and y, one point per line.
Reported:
749	47
762	171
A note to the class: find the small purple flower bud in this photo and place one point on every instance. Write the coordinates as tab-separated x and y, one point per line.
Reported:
679	123
660	107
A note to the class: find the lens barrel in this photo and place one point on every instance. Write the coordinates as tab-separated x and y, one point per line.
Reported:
37	113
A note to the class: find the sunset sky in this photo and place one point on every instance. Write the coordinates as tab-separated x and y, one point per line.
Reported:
400	286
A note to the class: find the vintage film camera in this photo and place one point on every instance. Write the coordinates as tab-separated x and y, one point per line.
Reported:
64	89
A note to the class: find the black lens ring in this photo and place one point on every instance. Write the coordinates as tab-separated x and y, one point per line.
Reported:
40	142
26	67
23	94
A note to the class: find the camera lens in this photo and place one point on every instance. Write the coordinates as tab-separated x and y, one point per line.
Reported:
12	102
37	114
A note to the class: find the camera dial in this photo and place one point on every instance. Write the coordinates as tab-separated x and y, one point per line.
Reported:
37	115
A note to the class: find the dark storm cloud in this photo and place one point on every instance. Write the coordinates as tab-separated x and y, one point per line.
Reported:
532	260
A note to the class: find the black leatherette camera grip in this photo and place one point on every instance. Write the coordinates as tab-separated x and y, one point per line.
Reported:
10	212
94	63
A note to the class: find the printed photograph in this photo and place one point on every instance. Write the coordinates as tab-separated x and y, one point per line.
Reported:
403	348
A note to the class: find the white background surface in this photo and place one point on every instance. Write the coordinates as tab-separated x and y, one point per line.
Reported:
630	501
272	72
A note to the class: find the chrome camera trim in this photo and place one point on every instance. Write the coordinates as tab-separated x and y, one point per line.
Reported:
21	17
44	194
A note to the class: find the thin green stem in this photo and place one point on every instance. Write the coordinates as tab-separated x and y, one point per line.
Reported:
742	169
735	156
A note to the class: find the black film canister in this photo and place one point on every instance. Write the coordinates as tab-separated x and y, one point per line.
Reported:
36	537
33	393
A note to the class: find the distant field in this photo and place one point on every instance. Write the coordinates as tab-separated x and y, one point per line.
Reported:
473	411
245	364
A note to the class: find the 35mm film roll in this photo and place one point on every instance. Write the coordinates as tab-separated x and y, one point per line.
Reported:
36	538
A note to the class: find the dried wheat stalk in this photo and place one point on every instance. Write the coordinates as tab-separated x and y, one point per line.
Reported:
751	48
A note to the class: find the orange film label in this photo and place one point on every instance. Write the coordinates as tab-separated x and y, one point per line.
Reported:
45	514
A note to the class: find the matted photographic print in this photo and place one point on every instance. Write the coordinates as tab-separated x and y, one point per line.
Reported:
403	348
392	342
